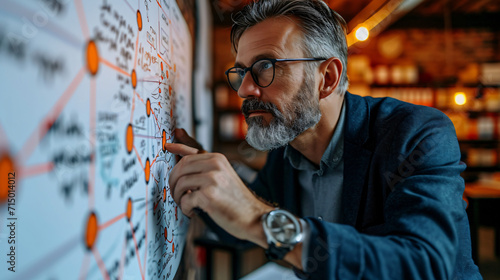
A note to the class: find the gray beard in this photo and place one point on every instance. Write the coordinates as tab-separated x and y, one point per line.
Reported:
299	115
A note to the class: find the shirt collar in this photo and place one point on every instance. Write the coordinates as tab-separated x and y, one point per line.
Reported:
332	155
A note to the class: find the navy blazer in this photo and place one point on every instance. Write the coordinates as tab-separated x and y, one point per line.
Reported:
403	216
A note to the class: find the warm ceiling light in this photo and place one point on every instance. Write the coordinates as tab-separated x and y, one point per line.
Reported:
460	98
362	33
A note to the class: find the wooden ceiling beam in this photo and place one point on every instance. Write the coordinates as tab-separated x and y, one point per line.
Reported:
459	5
391	11
479	6
369	10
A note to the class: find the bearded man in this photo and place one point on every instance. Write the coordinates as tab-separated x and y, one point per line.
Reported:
367	188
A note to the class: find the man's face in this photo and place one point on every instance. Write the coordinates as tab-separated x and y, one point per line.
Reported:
277	114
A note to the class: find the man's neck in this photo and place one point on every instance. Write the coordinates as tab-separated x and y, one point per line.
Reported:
313	143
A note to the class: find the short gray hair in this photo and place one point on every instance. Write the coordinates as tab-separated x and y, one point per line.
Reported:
324	29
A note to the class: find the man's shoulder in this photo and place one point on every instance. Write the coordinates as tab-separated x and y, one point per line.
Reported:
388	111
391	123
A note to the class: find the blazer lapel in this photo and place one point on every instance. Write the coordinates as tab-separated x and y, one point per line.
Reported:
292	192
356	164
356	157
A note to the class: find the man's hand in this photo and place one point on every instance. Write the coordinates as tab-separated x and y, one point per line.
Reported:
208	182
181	136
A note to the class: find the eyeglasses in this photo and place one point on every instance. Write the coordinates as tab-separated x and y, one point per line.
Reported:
262	71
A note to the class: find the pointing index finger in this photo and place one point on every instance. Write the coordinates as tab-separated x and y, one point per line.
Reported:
181	149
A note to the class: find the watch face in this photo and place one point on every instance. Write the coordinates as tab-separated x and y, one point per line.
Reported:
283	227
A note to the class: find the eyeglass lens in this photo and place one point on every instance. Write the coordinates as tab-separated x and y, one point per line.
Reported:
262	72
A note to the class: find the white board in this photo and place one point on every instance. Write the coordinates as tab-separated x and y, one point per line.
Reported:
89	92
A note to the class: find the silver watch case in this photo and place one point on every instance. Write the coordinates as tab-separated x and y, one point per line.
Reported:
282	229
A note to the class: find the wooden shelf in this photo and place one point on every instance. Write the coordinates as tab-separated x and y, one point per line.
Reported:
480	142
470	112
482	169
434	85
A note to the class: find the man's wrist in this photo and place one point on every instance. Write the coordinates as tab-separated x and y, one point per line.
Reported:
255	230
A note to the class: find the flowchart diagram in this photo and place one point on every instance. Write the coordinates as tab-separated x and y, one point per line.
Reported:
91	92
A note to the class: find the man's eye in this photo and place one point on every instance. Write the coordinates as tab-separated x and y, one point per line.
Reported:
264	65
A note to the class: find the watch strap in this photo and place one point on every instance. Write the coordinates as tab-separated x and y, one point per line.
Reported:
274	253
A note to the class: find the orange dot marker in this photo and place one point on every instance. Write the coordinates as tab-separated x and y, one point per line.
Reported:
148	107
164	194
169	91
92	58
164	140
159	90
7	173
173	247
129	138
147	170
128	211
175	67
171	113
161	64
91	231
165	234
139	20
167	74
133	77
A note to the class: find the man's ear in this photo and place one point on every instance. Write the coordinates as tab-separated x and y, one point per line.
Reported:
331	71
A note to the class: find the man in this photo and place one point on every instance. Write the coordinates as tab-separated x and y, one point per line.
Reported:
376	181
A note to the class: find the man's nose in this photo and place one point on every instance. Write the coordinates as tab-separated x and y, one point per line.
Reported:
248	87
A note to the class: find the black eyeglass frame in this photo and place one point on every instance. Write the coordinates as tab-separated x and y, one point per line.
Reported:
273	61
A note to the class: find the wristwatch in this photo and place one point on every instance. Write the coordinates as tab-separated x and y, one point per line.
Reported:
283	231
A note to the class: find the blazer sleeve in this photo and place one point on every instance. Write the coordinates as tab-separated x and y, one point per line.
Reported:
423	213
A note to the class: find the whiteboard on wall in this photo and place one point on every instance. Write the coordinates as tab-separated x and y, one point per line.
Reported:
89	93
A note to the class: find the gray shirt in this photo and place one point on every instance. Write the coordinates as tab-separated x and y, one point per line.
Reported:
322	186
